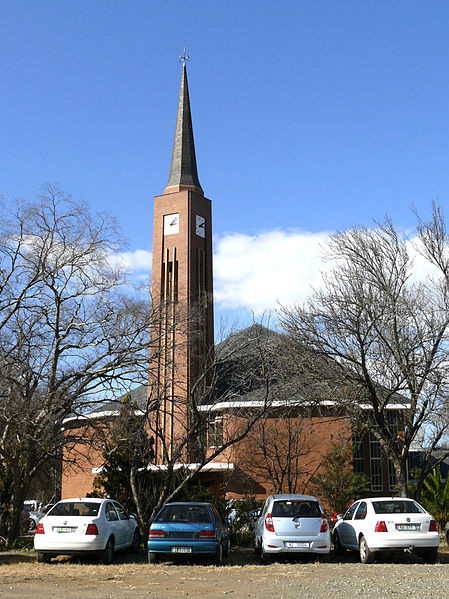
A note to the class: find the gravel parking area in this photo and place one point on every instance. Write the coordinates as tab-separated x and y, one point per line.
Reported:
241	577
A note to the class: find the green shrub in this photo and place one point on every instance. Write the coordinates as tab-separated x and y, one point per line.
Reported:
435	497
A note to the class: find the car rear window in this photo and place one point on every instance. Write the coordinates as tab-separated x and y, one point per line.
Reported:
397	506
296	509
184	513
79	508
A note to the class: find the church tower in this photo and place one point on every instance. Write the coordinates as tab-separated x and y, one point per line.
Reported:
181	285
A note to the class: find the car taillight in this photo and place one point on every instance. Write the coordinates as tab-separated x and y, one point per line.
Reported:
40	529
156	534
91	529
380	526
433	526
207	534
269	523
324	525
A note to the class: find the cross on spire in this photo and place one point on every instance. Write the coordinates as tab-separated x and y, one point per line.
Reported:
184	57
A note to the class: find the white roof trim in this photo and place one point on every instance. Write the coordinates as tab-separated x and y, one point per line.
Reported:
103	414
211	466
226	405
390	406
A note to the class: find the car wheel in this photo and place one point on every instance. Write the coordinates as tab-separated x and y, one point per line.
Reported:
43	558
264	556
227	548
366	555
256	547
108	552
153	558
338	547
430	556
135	547
219	555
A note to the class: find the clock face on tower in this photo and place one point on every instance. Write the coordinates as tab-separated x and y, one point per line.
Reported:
200	226
171	224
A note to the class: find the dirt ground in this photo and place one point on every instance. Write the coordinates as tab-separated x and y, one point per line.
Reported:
241	576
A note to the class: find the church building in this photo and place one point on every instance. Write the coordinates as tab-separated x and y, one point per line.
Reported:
228	395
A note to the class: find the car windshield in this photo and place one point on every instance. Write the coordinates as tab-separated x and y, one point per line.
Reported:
296	509
184	513
78	508
397	506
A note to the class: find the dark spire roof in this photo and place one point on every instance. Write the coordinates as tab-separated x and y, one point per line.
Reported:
183	173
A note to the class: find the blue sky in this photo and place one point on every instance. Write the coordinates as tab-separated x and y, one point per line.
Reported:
309	117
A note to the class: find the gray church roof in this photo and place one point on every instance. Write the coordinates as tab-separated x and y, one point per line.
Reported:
235	354
241	359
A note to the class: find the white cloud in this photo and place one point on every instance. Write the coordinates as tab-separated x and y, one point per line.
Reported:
256	272
422	268
137	261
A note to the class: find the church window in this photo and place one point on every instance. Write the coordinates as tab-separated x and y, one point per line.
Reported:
358	454
215	432
375	463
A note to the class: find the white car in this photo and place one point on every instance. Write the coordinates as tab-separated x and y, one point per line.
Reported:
83	526
291	524
384	524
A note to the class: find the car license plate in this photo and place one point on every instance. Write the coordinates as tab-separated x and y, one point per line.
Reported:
407	527
297	544
64	529
181	550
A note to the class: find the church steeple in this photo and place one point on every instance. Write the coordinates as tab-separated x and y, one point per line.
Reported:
181	290
183	171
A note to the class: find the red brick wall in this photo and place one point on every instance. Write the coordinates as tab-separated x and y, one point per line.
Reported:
79	458
246	478
317	435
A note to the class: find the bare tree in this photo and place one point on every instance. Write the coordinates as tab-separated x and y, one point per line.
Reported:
69	330
287	447
337	482
382	335
207	424
282	450
215	419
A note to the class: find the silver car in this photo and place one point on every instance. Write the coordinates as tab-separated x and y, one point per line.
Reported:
291	524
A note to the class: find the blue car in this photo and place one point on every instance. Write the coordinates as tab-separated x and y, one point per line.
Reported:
188	529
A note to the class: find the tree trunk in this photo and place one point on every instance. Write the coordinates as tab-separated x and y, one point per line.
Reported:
400	467
136	497
18	497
